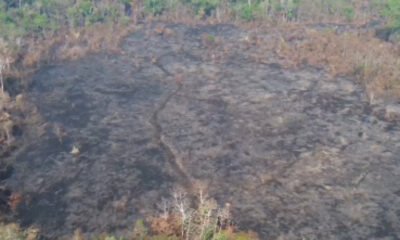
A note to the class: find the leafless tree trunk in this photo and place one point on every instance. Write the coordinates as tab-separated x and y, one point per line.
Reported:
190	217
164	206
205	222
181	205
4	66
1	80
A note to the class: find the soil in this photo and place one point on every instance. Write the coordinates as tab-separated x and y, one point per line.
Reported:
297	153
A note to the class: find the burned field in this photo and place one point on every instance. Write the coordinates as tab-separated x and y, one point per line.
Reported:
296	152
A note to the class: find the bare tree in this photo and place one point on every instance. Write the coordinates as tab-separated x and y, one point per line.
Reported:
4	66
205	222
190	215
181	205
197	223
164	206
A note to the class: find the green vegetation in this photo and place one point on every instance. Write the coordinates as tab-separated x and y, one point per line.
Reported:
288	10
156	7
202	7
177	221
19	18
37	17
392	12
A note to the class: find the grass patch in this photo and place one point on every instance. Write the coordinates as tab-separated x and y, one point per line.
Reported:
373	62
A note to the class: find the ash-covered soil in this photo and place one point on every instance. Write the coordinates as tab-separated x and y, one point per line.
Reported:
297	153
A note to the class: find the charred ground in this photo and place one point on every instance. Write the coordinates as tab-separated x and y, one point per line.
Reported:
296	152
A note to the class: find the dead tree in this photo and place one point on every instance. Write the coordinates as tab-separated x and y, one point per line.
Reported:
4	67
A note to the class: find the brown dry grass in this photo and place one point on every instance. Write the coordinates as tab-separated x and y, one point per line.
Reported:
169	226
75	43
314	12
371	61
67	44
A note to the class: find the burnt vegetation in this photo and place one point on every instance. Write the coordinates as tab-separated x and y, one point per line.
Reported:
346	38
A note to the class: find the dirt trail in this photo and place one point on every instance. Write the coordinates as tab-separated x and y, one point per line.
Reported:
297	153
182	177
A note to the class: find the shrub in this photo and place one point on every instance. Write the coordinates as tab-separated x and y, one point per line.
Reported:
246	12
155	7
13	232
202	7
33	21
348	13
85	8
208	234
250	10
39	22
140	231
392	12
226	235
